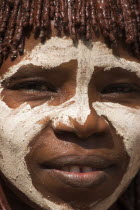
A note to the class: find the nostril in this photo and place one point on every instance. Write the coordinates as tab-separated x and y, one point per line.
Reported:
100	134
65	135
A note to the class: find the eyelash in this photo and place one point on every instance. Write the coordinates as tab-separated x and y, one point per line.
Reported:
121	88
43	86
34	86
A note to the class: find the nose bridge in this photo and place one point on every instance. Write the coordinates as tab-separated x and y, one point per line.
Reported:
84	74
82	106
78	117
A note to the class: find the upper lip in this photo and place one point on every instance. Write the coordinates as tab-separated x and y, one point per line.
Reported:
93	161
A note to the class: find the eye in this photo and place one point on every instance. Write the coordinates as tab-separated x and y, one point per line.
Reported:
36	85
120	88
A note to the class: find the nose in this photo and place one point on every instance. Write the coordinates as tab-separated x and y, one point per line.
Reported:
94	124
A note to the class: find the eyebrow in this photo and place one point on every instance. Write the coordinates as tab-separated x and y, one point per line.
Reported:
28	70
29	67
129	66
107	61
31	70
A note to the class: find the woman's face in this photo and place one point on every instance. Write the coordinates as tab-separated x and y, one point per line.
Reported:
69	123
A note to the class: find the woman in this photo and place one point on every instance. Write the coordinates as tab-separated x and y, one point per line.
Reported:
70	104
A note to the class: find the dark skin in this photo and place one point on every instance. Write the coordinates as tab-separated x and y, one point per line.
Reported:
95	138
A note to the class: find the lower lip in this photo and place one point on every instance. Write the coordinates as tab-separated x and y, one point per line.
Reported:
79	180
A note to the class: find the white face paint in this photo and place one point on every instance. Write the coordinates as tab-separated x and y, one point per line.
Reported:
19	126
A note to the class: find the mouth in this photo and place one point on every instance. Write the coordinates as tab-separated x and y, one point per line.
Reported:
79	171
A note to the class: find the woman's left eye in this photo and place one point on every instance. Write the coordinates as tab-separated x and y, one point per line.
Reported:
33	86
120	88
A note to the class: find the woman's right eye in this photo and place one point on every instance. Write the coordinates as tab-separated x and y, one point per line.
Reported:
32	86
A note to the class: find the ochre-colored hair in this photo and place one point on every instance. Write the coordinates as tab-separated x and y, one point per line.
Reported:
117	20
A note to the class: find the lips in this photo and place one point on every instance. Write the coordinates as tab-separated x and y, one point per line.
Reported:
78	171
76	162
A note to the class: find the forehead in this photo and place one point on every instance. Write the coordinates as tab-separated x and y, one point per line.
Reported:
57	51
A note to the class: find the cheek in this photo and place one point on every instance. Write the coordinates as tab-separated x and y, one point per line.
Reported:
18	127
125	120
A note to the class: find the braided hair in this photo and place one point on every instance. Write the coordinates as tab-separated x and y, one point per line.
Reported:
118	21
